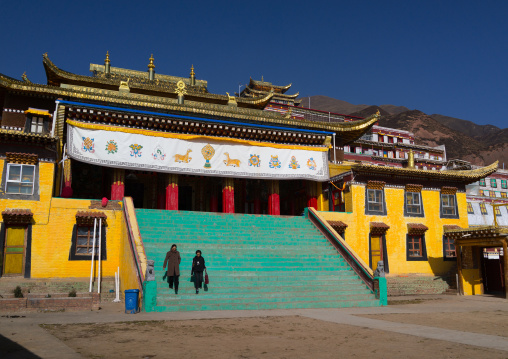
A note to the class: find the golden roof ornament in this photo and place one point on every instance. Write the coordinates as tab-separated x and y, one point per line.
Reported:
192	71
151	64
411	160
378	113
106	61
180	88
25	78
289	113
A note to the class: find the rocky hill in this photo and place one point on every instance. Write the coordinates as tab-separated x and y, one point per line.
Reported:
479	144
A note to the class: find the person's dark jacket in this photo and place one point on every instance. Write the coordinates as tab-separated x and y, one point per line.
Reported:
198	264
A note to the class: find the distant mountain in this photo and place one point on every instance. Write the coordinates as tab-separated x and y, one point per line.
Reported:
325	103
366	112
479	144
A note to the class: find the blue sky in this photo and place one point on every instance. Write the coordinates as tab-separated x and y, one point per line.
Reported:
446	57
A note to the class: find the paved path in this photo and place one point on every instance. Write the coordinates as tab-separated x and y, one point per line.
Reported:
26	331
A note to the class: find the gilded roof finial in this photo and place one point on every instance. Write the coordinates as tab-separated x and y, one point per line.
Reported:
192	71
262	79
107	58
411	159
151	65
25	78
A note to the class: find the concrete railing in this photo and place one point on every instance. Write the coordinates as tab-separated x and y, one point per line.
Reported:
136	243
376	285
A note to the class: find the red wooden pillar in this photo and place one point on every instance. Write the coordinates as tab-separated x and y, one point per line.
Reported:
311	195
228	196
67	189
118	186
172	193
273	198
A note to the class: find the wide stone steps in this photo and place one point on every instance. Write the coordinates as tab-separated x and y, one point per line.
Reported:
254	262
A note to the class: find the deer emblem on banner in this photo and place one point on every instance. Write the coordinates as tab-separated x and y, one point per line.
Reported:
231	162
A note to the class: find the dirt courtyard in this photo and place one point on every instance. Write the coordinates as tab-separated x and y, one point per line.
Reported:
277	337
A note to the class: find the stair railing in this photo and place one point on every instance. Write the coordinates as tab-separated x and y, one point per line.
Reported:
356	263
136	243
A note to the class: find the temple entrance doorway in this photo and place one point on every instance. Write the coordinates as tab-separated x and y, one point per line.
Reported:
492	271
293	197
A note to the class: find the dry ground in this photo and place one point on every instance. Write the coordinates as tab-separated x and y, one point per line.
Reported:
276	337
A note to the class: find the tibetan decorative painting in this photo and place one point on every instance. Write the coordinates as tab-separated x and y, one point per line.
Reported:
188	154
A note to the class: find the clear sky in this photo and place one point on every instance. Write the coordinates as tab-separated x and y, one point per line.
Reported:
446	57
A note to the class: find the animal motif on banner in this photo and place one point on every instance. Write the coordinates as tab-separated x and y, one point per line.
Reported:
136	150
88	145
231	162
254	161
158	153
207	151
311	164
183	158
294	163
274	162
111	147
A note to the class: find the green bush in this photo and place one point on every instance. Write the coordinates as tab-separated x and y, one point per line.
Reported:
72	293
17	292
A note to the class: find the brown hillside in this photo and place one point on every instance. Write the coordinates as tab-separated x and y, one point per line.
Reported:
430	132
484	133
394	110
325	103
366	112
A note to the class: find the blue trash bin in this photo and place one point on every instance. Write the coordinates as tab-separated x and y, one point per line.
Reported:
131	301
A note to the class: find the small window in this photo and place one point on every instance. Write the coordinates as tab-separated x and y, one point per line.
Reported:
503	184
413	203
503	195
482	192
415	245
20	179
497	211
449	251
37	125
483	208
470	209
375	200
448	205
493	183
492	194
82	245
482	182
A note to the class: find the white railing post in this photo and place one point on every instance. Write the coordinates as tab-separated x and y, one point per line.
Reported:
100	255
93	252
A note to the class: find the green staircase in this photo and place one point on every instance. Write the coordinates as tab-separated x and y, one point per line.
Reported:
254	262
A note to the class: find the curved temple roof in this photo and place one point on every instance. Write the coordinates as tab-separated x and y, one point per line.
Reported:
163	85
265	84
467	176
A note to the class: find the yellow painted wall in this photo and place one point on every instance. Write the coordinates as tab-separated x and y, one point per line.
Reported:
53	222
472	282
357	232
51	242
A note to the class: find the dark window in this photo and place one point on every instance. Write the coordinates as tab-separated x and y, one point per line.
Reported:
375	201
449	249
482	192
503	184
493	183
492	194
482	182
503	195
416	250
449	206
497	211
413	204
82	243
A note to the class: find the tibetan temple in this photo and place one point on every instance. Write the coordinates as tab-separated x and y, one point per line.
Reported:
109	170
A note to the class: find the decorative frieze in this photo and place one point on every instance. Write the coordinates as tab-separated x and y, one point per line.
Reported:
22	158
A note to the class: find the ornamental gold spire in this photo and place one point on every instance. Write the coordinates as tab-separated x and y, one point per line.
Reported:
151	69
411	160
192	76
107	64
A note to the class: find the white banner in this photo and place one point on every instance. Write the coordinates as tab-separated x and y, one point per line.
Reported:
146	150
